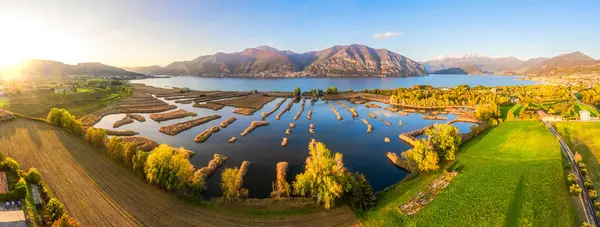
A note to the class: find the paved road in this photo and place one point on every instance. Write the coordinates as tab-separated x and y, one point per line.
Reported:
587	202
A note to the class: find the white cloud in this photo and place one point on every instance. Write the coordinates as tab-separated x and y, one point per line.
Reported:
386	35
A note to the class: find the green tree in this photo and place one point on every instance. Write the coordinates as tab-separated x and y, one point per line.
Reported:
423	157
64	119
115	148
139	161
592	194
54	209
33	176
129	150
228	185
169	168
297	92
11	164
575	190
571	178
324	177
96	136
361	194
445	139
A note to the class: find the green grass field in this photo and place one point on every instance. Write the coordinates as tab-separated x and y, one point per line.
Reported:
593	111
583	137
80	103
504	111
512	175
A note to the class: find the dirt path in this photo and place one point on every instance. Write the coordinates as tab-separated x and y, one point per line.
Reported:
99	192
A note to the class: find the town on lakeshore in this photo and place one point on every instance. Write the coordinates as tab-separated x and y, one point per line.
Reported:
133	114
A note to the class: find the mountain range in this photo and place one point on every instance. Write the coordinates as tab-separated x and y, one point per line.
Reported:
265	61
341	60
571	63
36	68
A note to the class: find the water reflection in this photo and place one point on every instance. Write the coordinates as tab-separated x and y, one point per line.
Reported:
363	152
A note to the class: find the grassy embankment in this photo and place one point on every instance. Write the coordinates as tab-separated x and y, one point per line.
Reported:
97	191
583	137
512	175
593	111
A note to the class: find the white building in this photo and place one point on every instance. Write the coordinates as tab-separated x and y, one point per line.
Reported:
584	115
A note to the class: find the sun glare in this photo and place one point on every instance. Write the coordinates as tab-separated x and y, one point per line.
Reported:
23	38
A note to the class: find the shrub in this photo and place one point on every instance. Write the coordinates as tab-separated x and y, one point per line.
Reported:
54	210
361	194
139	161
581	164
575	190
2	157
571	178
324	177
33	176
11	164
297	92
578	157
597	205
20	190
588	183
115	148
64	119
592	194
129	150
583	171
228	178
96	137
66	221
445	140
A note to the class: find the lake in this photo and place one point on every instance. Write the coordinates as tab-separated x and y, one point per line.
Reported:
342	83
363	152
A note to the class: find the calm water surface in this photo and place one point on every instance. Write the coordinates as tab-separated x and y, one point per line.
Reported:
362	151
347	83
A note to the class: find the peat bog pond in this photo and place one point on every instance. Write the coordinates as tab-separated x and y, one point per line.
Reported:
362	151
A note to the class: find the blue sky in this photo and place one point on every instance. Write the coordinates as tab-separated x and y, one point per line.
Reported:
128	33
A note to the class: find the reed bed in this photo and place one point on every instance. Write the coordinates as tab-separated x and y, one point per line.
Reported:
254	125
200	138
227	122
292	125
253	101
288	131
267	114
358	101
6	116
372	115
431	117
137	117
393	109
387	123
311	130
143	143
299	112
121	132
175	129
399	161
284	142
402	113
351	110
309	116
281	188
312	126
339	117
208	105
386	139
244	111
410	137
372	105
213	165
176	114
287	108
124	121
239	180
232	140
369	126
410	110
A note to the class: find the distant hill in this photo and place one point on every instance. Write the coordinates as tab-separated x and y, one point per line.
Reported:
572	63
265	61
143	69
485	64
461	70
35	68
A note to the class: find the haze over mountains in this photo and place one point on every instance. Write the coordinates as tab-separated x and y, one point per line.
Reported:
571	63
265	61
35	68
